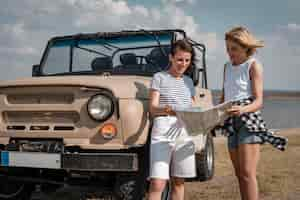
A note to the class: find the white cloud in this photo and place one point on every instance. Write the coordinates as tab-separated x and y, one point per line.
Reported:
31	23
281	58
41	20
22	51
14	40
178	1
115	15
107	13
141	10
293	27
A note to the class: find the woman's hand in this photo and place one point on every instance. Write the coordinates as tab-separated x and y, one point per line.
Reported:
236	110
155	109
168	110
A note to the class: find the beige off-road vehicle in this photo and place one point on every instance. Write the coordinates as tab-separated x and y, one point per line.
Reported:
82	119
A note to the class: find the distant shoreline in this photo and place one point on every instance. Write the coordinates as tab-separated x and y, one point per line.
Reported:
282	94
271	94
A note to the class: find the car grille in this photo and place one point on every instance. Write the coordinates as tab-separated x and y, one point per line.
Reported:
40	117
101	161
46	98
47	109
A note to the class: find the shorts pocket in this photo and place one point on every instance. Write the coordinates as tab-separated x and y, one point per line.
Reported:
237	124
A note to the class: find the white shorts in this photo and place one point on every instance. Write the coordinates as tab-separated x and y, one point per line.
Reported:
168	158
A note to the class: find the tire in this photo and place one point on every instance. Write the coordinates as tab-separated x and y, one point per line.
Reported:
133	186
14	190
205	160
129	188
49	188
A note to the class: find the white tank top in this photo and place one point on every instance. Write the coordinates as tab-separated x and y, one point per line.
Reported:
237	83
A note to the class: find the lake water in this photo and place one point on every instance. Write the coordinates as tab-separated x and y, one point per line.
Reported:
282	113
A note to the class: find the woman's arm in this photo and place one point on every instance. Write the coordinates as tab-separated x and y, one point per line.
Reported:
222	92
193	100
222	96
256	75
154	108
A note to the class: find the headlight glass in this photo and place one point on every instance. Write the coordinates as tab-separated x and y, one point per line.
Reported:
100	107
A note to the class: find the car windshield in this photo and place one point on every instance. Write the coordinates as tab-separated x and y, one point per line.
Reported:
143	54
135	54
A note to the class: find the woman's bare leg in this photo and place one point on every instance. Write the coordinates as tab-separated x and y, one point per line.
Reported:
177	188
156	188
248	160
234	156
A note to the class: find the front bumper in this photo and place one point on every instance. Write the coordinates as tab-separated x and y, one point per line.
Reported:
123	162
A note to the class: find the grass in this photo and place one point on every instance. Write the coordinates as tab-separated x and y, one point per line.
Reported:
278	175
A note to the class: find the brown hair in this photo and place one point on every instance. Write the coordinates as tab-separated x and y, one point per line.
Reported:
184	45
244	38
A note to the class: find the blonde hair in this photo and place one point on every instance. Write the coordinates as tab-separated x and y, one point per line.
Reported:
244	38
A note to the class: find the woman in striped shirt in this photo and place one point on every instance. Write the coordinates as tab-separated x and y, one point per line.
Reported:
171	89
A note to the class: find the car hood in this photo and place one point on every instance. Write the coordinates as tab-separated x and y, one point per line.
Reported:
121	86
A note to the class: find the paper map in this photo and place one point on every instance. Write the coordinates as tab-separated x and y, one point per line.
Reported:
201	121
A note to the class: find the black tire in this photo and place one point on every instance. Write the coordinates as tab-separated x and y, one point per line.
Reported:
49	188
13	190
133	186
129	188
205	160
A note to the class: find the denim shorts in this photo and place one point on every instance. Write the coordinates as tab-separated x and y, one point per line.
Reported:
242	135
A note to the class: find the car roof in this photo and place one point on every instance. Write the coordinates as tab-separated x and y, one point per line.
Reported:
108	35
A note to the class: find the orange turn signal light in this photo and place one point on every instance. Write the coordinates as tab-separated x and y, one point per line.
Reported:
108	131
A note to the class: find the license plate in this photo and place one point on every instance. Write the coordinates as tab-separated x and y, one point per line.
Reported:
31	159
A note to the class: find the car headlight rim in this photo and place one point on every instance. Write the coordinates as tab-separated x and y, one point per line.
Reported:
93	115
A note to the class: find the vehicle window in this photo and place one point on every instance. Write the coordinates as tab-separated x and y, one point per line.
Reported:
136	55
82	60
57	61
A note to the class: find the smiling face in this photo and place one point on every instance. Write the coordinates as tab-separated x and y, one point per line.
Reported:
180	61
237	53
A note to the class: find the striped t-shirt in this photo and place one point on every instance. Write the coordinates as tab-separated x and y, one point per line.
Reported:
174	92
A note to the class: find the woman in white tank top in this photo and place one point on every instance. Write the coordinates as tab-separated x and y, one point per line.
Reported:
237	82
243	79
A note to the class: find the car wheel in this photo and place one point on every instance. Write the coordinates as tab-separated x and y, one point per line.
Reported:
14	190
205	160
129	188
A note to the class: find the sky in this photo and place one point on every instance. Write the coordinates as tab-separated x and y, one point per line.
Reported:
27	25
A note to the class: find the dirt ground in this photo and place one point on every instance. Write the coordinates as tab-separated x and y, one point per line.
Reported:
278	175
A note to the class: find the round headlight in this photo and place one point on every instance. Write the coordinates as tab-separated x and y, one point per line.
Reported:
100	107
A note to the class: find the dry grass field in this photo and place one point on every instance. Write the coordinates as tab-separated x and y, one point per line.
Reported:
278	173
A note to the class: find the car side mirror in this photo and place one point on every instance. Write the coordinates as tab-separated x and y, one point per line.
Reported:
195	75
193	72
36	70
